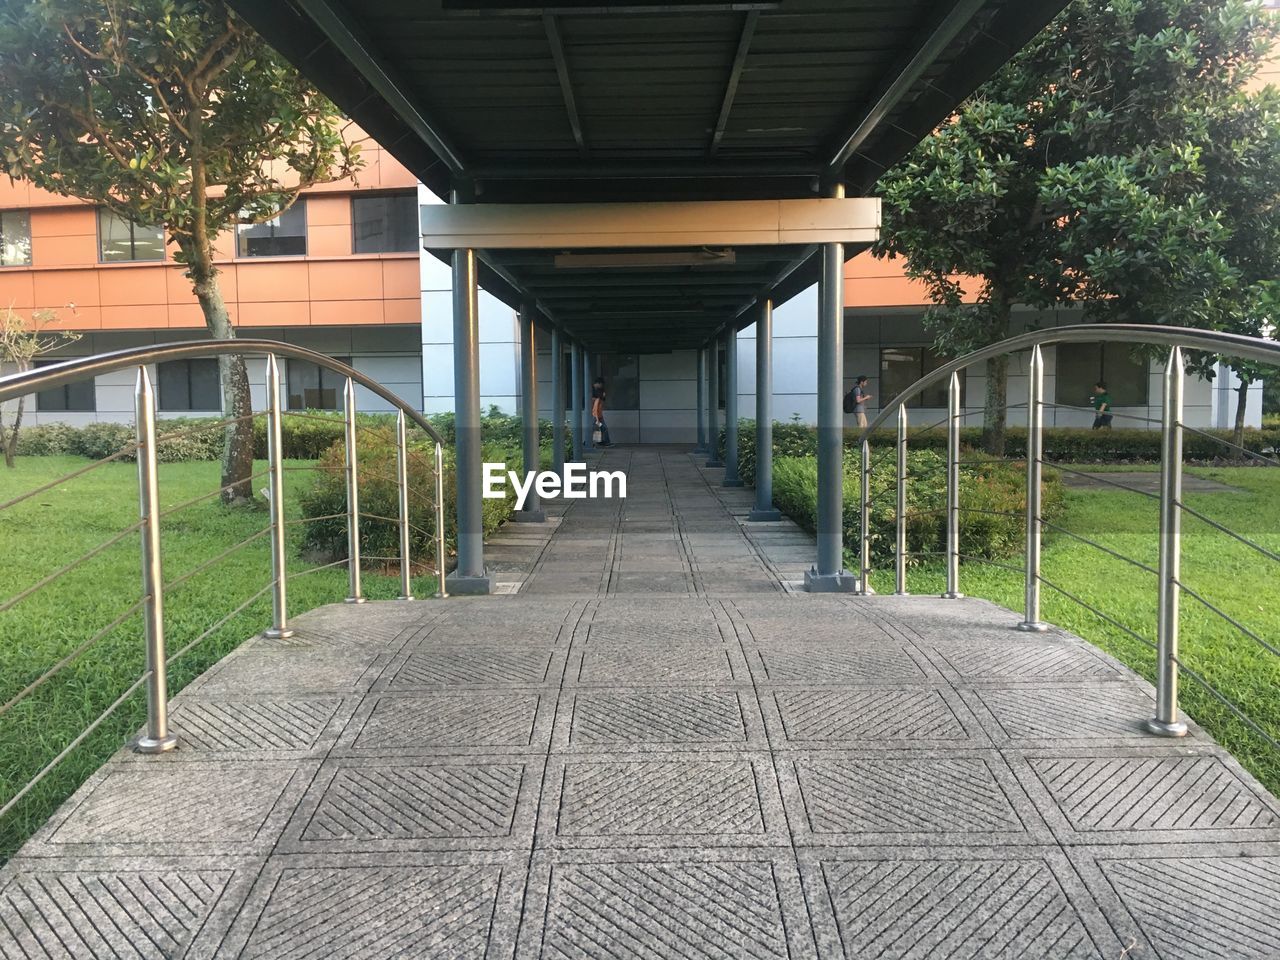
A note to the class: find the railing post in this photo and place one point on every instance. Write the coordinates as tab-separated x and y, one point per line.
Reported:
900	534
864	521
1031	622
441	592
402	488
157	738
279	628
1166	722
953	489
353	496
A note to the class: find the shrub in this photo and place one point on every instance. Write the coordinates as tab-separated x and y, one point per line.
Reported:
98	440
46	440
993	502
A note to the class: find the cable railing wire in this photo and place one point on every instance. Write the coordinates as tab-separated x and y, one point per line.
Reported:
110	458
1232	444
252	478
989	562
62	571
1217	695
219	624
1100	478
1230	619
1098	613
1231	533
316	569
212	561
1119	416
1093	543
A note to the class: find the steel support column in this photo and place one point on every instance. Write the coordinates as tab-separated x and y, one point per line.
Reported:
575	396
731	478
469	575
828	574
713	404
701	448
532	512
557	401
764	510
588	421
1035	459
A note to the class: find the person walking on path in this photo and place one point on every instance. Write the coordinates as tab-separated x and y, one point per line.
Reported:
1101	407
855	401
597	413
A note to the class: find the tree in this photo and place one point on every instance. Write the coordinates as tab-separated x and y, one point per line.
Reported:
21	341
173	112
1118	162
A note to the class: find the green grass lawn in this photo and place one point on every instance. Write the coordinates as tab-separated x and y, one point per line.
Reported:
1238	580
45	532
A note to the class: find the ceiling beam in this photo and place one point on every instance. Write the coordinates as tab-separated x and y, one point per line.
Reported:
554	40
345	37
735	74
931	46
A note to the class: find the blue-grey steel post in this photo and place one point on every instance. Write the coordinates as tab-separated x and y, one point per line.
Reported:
864	519
575	397
588	421
557	401
900	520
701	448
764	510
828	573
713	404
279	628
1031	621
441	590
952	591
354	592
531	441
402	505
157	738
1166	722
731	478
469	575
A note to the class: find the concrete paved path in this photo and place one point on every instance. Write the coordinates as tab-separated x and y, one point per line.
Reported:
653	749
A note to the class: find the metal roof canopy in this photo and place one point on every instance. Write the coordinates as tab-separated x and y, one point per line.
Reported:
503	101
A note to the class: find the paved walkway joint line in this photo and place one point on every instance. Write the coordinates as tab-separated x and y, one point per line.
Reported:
652	747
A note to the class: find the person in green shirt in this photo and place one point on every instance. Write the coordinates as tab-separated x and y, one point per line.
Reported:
1101	406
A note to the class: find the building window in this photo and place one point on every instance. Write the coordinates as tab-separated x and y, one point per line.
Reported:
312	387
76	397
621	372
902	366
1079	366
15	238
189	385
284	235
385	223
121	239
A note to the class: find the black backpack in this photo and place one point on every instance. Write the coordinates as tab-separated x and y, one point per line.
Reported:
849	403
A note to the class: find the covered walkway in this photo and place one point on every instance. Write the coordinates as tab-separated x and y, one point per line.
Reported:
652	748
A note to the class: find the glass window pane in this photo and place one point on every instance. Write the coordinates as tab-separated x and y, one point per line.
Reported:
1077	367
174	385
186	385
899	368
79	397
314	388
206	391
936	395
120	239
1126	376
284	235
15	238
385	224
621	374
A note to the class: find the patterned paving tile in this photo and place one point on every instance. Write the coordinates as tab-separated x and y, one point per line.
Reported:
866	715
1021	659
647	631
659	798
266	724
904	795
1075	712
655	663
375	912
667	717
1198	794
459	666
152	914
716	911
417	801
958	910
450	719
836	664
1202	907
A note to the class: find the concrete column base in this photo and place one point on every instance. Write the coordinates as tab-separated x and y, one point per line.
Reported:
842	582
529	516
468	585
764	516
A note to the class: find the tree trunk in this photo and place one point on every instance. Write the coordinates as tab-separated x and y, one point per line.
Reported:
995	412
1242	400
11	441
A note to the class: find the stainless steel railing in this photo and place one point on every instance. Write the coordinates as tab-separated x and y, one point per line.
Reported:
1170	587
157	736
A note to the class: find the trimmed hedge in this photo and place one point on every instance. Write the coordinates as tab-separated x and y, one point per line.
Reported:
1064	444
992	498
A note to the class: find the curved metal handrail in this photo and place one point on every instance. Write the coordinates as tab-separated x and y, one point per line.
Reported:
69	371
1232	344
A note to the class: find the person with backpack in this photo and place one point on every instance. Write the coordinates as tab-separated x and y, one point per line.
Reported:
597	413
855	401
